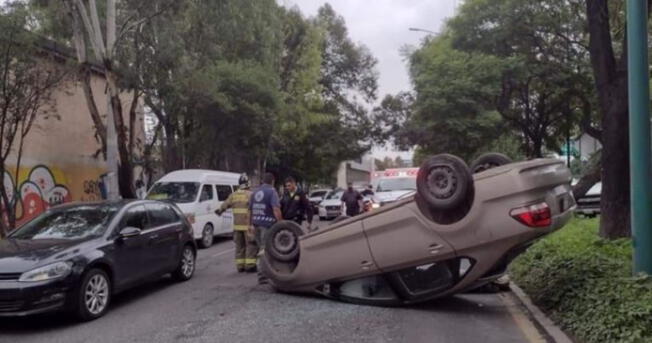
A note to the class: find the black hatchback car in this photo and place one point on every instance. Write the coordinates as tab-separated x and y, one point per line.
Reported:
76	257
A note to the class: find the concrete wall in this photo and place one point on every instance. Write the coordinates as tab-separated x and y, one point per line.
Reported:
58	163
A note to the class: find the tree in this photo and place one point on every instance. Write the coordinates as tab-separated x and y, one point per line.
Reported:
28	77
451	110
544	74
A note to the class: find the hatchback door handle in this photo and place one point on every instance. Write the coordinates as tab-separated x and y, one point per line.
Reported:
153	236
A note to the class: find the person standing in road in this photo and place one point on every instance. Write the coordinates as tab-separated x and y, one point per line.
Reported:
295	204
369	191
246	250
352	200
265	211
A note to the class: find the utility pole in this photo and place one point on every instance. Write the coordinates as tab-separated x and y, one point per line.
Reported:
639	135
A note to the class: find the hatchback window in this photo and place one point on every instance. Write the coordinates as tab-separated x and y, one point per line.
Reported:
223	192
206	193
161	214
136	217
68	223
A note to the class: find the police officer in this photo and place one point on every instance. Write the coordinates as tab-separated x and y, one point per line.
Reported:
246	250
265	211
295	204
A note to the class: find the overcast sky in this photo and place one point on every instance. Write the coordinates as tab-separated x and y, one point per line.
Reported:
383	26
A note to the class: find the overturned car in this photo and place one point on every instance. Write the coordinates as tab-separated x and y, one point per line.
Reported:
458	232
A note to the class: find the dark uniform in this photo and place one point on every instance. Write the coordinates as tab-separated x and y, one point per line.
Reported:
296	206
351	198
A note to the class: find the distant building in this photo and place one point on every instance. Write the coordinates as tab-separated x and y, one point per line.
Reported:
61	160
357	171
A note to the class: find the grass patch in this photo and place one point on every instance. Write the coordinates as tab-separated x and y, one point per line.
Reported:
585	285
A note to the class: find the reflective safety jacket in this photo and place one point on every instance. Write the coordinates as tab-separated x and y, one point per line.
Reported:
239	202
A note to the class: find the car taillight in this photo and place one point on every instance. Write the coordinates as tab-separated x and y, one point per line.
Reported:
191	218
538	215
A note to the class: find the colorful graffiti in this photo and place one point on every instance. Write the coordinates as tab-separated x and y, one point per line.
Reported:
42	187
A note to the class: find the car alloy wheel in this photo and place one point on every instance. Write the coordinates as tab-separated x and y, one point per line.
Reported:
207	236
96	294
188	262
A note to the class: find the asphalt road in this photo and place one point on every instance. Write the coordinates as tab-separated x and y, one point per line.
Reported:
220	305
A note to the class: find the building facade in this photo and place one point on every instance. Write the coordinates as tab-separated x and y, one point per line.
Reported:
61	159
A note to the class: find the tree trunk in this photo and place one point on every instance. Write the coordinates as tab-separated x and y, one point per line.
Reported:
611	83
125	172
100	129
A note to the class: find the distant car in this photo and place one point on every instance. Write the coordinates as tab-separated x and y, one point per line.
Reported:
76	257
331	206
198	193
316	196
458	232
589	204
390	189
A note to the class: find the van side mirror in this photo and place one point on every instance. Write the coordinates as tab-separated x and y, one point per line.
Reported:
129	231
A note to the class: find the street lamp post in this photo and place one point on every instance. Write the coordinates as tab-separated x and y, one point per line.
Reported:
639	135
422	30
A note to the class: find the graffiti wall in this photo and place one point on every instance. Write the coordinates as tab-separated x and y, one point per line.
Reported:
40	187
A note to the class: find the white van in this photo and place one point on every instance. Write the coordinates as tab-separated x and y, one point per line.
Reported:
198	193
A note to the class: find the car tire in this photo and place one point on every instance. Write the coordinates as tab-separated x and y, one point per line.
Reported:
444	182
339	219
282	241
93	295
186	268
207	234
488	161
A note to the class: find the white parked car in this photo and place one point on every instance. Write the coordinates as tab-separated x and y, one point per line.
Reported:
316	196
198	193
331	206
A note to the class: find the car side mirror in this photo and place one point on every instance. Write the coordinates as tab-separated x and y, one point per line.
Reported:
129	231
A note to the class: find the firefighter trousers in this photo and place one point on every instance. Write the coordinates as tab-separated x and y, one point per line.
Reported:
246	250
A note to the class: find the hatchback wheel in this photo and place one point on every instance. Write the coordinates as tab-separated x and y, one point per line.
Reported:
488	161
186	267
93	295
282	241
206	236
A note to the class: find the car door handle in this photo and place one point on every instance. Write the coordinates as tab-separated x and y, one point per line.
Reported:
366	265
155	236
435	248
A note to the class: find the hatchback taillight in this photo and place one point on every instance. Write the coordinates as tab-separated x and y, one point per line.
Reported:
538	215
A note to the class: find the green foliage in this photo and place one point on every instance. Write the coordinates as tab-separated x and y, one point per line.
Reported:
451	111
584	283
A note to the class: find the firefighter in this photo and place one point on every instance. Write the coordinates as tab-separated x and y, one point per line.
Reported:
295	204
246	249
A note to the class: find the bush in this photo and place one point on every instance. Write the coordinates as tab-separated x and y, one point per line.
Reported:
584	283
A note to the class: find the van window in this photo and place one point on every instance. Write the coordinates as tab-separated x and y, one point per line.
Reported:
161	214
206	193
178	192
223	192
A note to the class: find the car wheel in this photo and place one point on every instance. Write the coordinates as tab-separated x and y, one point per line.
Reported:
488	161
186	268
339	219
93	295
206	236
282	241
444	182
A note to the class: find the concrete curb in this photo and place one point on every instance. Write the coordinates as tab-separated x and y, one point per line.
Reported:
552	330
